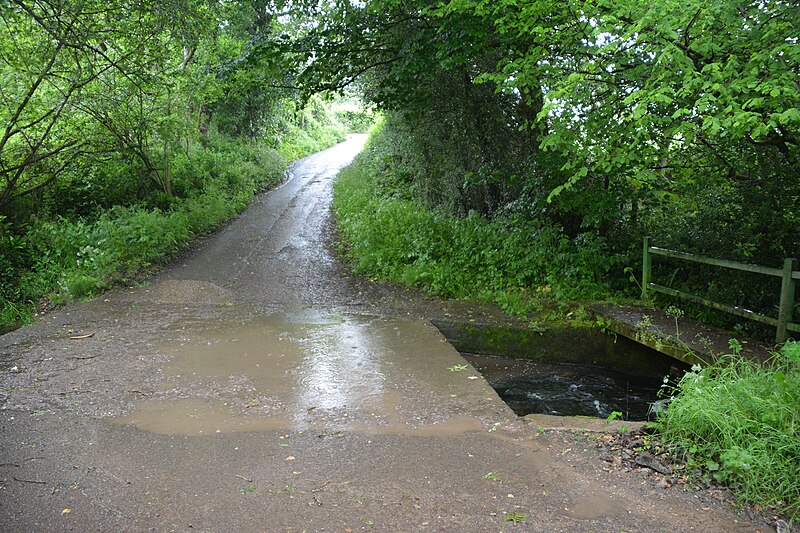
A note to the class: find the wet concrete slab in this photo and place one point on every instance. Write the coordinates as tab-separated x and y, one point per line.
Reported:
316	370
684	339
123	478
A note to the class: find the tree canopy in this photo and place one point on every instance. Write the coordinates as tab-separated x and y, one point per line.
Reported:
86	83
626	104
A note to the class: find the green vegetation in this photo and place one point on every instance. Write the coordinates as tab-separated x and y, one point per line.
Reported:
595	120
522	265
353	115
740	422
316	127
127	129
515	518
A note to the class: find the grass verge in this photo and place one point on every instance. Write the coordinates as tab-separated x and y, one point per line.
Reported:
738	422
524	266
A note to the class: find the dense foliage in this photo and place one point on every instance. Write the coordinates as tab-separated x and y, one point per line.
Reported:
526	266
620	119
128	128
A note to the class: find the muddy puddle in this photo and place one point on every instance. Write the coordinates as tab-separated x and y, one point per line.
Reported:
531	387
310	370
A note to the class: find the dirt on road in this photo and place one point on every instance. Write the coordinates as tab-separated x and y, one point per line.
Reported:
256	386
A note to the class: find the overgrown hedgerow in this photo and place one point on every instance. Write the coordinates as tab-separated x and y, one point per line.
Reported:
516	263
70	258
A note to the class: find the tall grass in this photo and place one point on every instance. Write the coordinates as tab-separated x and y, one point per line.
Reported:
518	264
740	421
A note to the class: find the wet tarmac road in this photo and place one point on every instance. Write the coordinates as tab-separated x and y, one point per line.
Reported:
256	387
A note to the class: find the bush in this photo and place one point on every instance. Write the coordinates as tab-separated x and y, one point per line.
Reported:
73	257
13	258
513	262
318	129
78	259
355	117
740	422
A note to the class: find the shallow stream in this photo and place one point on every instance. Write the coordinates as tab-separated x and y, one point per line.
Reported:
566	389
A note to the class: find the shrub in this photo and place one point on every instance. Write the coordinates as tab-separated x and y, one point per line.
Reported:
740	421
317	130
514	262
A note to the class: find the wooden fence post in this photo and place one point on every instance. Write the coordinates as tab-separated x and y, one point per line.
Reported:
646	265
787	299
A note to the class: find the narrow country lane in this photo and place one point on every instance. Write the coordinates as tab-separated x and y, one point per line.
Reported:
255	386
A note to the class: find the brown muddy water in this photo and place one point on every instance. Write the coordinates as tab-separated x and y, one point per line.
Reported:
312	370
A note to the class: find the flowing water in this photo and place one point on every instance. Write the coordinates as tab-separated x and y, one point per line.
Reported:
566	389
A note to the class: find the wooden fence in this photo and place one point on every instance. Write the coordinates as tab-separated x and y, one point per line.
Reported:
788	274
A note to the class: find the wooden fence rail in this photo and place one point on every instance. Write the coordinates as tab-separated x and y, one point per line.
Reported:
788	274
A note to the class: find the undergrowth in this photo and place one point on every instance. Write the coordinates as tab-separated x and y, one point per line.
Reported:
320	129
60	258
524	266
739	422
